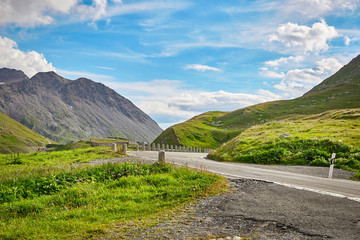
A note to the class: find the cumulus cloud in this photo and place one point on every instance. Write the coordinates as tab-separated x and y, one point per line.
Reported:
95	11
304	38
298	81
284	61
169	100
29	62
271	74
201	68
29	13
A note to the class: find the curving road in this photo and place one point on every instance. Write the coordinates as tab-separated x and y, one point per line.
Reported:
336	187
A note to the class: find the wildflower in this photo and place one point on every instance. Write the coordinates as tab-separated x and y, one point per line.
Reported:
52	204
57	180
76	180
112	173
70	163
136	171
84	178
119	175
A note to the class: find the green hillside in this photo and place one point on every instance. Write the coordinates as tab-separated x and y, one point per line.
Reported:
16	138
299	140
212	129
337	126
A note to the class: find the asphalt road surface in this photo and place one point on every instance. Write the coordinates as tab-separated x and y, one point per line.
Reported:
282	203
336	187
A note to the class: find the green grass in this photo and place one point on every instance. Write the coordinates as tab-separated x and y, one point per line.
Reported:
83	201
16	138
43	163
313	139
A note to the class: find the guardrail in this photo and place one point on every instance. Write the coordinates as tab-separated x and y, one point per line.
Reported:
160	147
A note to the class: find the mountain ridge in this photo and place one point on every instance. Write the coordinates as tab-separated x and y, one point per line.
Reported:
69	110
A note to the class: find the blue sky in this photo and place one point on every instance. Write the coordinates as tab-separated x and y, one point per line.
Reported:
176	59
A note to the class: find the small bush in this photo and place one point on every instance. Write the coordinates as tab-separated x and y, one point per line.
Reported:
356	177
320	162
271	156
314	153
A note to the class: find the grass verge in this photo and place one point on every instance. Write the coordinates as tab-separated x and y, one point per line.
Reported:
86	201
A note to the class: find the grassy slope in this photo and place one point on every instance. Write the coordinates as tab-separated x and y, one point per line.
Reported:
44	197
313	139
15	137
334	125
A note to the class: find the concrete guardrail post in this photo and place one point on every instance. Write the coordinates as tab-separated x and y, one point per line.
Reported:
161	159
124	148
143	146
115	147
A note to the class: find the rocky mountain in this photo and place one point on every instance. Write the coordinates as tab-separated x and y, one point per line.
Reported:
8	75
212	129
68	110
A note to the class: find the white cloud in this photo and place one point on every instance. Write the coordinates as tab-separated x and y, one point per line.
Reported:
29	13
106	68
168	101
284	61
271	74
298	81
347	40
304	38
201	68
76	74
312	9
29	62
95	11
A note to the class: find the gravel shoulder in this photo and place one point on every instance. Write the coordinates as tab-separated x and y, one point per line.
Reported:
258	210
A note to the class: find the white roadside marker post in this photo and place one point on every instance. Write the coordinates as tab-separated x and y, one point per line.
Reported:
331	170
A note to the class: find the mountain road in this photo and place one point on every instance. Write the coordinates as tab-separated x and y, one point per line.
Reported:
337	187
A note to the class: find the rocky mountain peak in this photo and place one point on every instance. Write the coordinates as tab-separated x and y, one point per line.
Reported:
8	75
67	110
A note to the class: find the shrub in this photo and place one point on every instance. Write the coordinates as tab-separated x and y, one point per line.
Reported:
271	156
320	162
312	154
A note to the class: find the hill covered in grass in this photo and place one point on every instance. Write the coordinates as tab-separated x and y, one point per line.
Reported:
299	140
16	138
212	129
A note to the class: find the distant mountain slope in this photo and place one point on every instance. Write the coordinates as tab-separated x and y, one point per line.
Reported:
16	138
212	129
66	110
